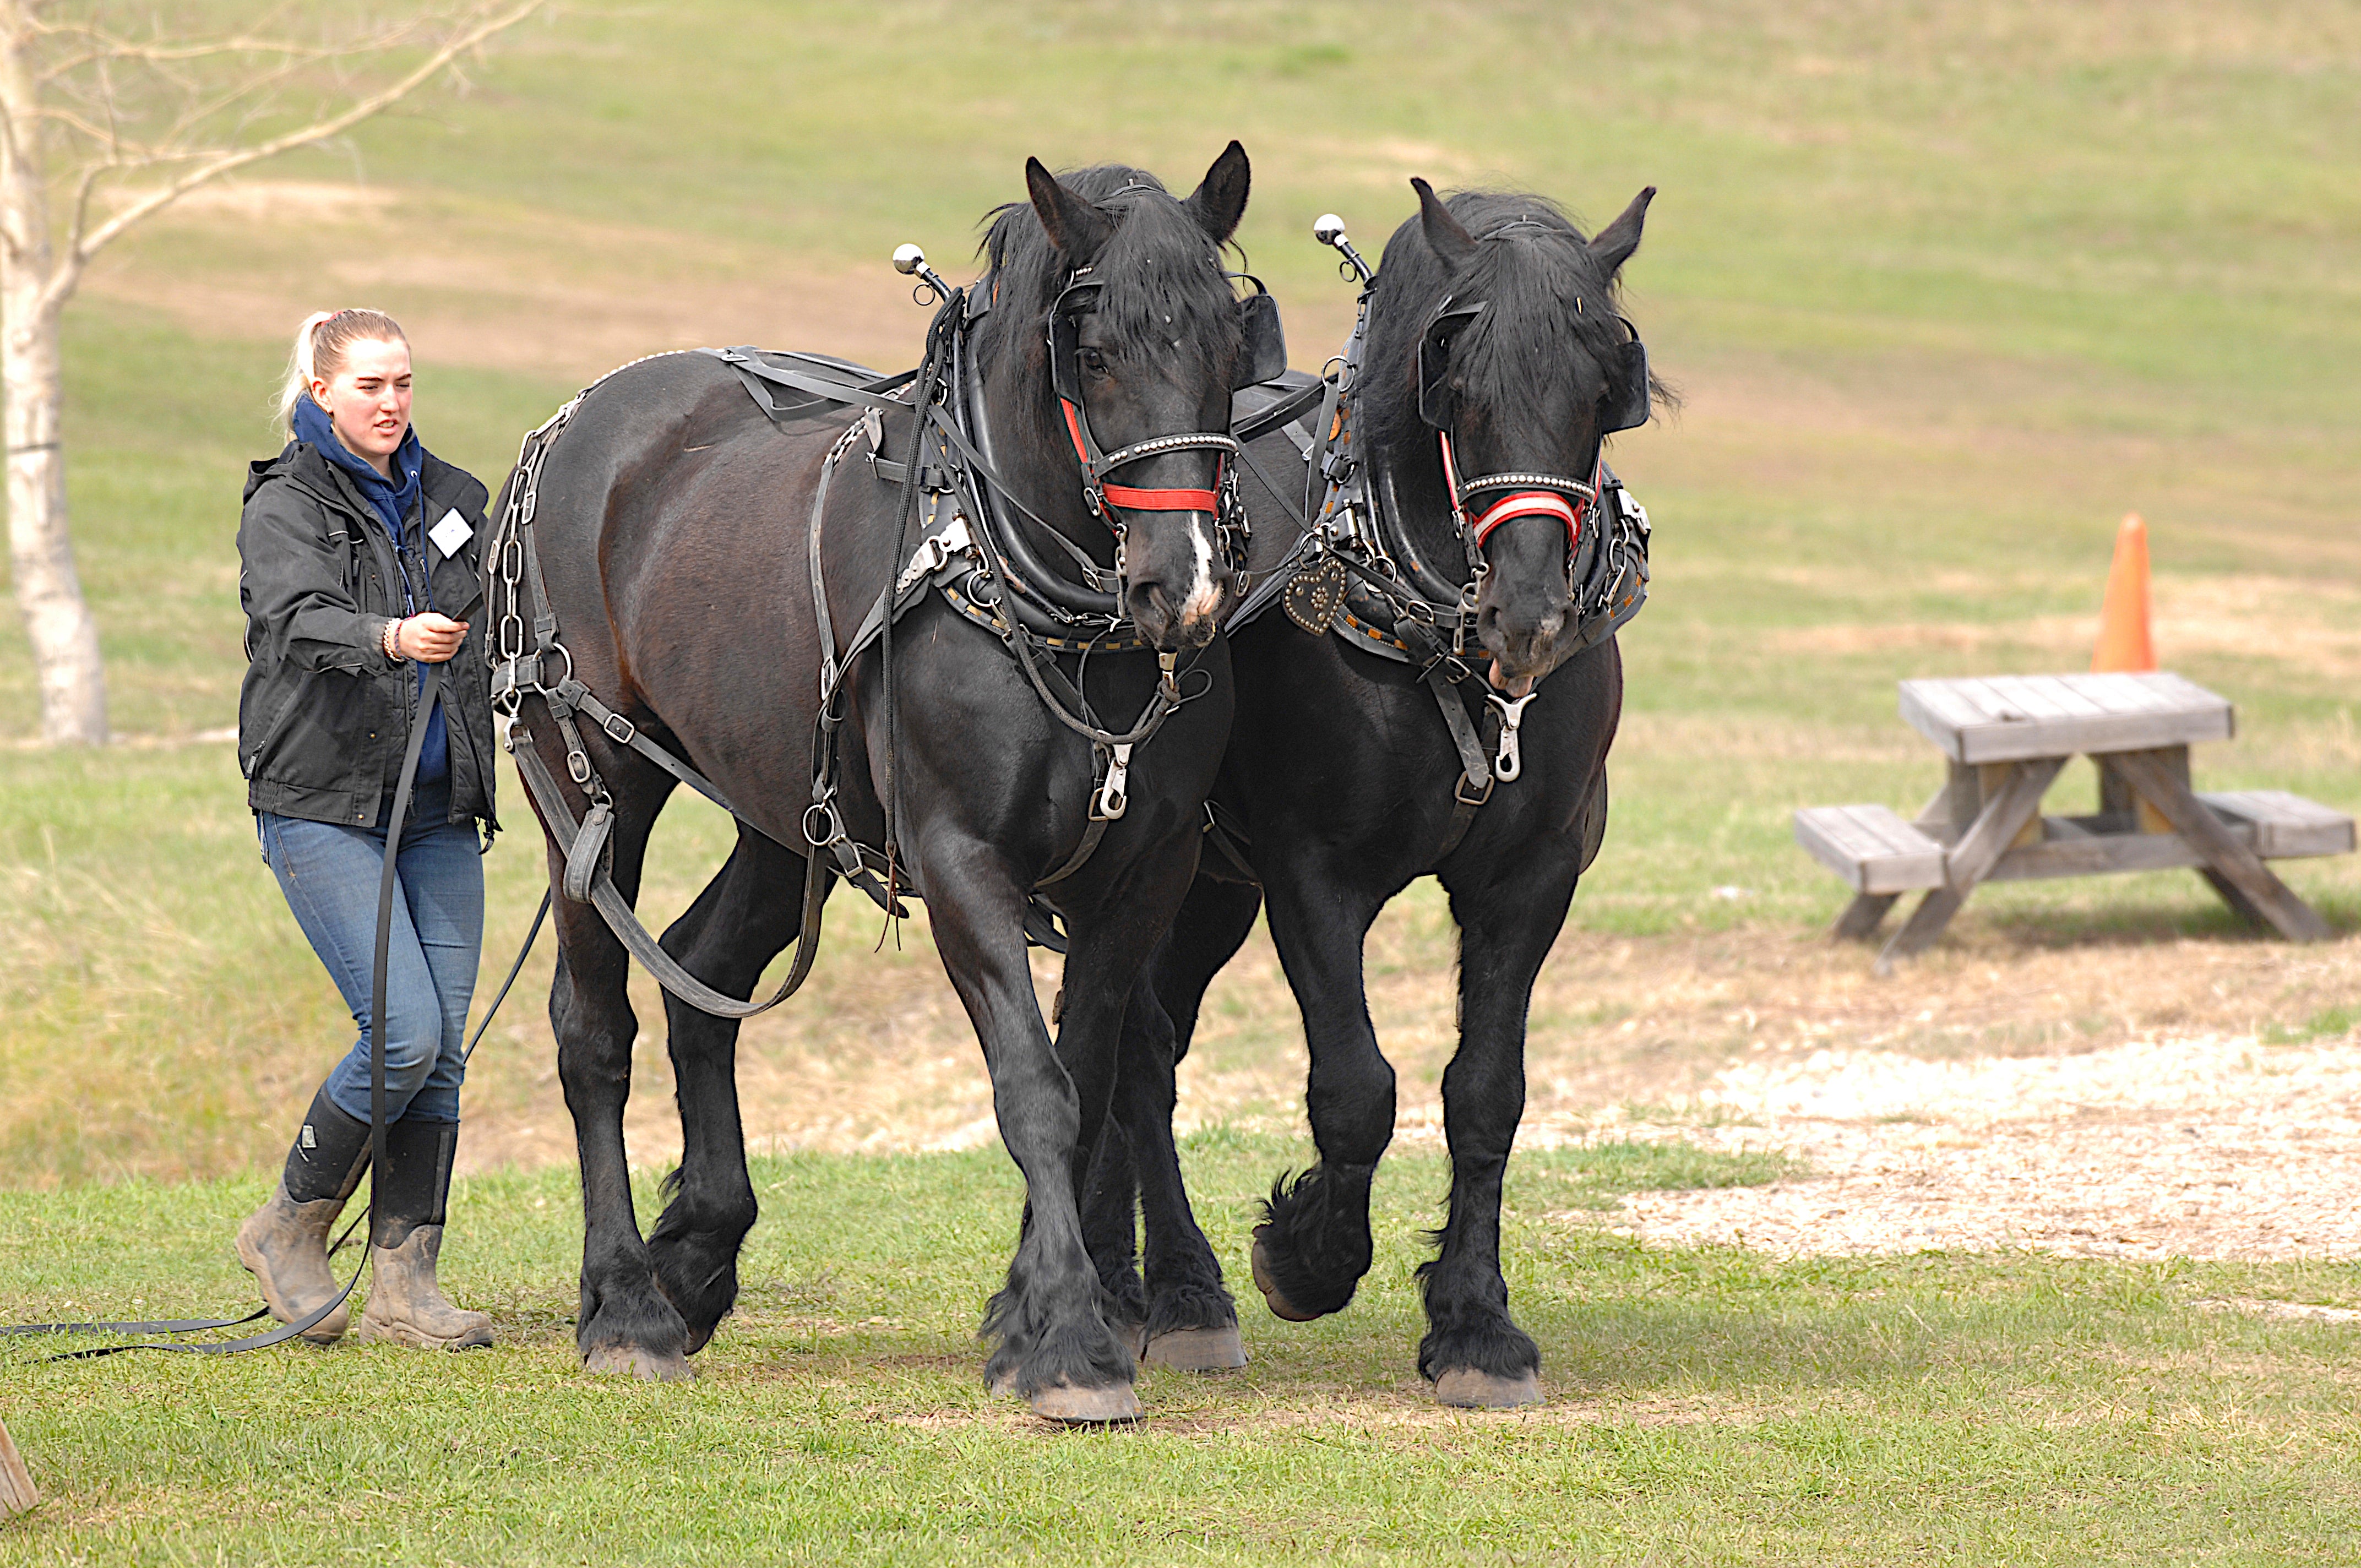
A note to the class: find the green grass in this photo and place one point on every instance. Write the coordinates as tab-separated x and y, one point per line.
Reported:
1950	290
1709	1406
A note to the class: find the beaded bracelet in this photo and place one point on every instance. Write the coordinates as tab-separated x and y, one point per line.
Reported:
390	640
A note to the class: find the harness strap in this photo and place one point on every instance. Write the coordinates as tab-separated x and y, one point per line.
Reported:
636	937
1474	786
1257	425
751	371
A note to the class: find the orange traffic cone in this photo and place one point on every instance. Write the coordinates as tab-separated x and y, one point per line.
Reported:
2124	640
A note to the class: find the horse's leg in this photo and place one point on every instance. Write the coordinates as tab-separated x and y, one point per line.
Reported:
1311	1250
1473	1352
1212	923
1055	1347
1110	1223
625	1324
1192	1322
738	925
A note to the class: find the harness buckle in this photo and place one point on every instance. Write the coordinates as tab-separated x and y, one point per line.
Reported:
622	728
577	767
1459	791
1113	797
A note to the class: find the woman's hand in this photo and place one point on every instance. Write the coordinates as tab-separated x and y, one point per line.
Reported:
431	637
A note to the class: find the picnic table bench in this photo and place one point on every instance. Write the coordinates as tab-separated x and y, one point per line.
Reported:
2007	738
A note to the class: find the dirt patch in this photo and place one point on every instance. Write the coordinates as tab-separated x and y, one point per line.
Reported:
2193	1147
531	291
2315	626
2096	1097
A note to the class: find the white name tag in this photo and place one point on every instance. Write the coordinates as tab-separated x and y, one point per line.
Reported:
451	534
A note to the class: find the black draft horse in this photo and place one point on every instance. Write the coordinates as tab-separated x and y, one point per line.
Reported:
1341	773
673	523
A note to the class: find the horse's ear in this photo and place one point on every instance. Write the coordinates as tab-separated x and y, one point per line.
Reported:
1445	236
1220	201
1615	242
1076	227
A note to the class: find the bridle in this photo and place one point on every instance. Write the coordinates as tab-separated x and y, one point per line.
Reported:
1529	493
1262	356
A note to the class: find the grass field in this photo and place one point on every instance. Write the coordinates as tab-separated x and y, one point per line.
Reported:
1709	1406
1947	290
1948	293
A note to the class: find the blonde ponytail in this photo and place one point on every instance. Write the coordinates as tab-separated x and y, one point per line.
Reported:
319	351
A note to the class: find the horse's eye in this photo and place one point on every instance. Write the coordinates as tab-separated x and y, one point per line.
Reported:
1093	361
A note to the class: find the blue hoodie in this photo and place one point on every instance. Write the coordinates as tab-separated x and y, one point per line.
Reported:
396	503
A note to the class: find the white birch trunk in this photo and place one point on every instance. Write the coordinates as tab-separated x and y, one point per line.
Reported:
40	548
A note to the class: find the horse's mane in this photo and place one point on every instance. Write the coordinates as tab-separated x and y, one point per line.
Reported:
1531	265
1159	286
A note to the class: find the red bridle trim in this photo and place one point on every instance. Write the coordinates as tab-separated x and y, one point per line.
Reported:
1529	503
1130	498
1159	500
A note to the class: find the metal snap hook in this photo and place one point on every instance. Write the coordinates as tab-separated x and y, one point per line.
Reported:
1114	796
1509	762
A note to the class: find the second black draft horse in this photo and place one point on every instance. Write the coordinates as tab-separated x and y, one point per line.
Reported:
1497	363
678	526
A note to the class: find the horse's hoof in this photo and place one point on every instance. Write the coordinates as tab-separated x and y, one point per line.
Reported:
1472	1390
647	1366
1134	1338
1004	1384
1087	1407
1198	1350
1279	1305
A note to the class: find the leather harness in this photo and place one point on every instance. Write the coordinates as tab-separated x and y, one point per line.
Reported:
969	551
1355	571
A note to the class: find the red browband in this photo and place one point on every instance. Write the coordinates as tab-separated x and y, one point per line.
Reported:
1530	503
1130	498
1515	504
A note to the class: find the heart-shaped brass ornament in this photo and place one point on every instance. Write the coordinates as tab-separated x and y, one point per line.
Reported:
1313	595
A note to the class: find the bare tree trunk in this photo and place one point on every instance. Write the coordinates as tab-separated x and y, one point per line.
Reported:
17	1492
40	548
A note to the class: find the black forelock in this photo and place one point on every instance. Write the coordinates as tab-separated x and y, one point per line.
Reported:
1160	272
1531	268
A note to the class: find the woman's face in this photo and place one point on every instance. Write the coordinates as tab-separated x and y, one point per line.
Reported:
367	398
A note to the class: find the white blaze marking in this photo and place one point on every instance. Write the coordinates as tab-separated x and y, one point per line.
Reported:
1205	593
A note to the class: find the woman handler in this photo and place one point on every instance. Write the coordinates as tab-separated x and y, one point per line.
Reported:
355	541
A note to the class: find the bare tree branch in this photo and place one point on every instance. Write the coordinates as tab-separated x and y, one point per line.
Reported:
84	243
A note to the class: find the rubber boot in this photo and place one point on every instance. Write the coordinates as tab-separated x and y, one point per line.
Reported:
284	1243
406	1305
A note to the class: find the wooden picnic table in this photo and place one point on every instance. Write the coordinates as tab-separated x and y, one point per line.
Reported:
2005	740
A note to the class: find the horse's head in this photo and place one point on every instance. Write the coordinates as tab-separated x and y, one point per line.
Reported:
1519	367
1139	338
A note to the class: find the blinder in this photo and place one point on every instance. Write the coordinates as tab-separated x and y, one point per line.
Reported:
1262	349
1628	406
1262	354
1434	403
1074	301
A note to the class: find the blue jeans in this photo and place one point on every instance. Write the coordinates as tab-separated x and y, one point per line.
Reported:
329	873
